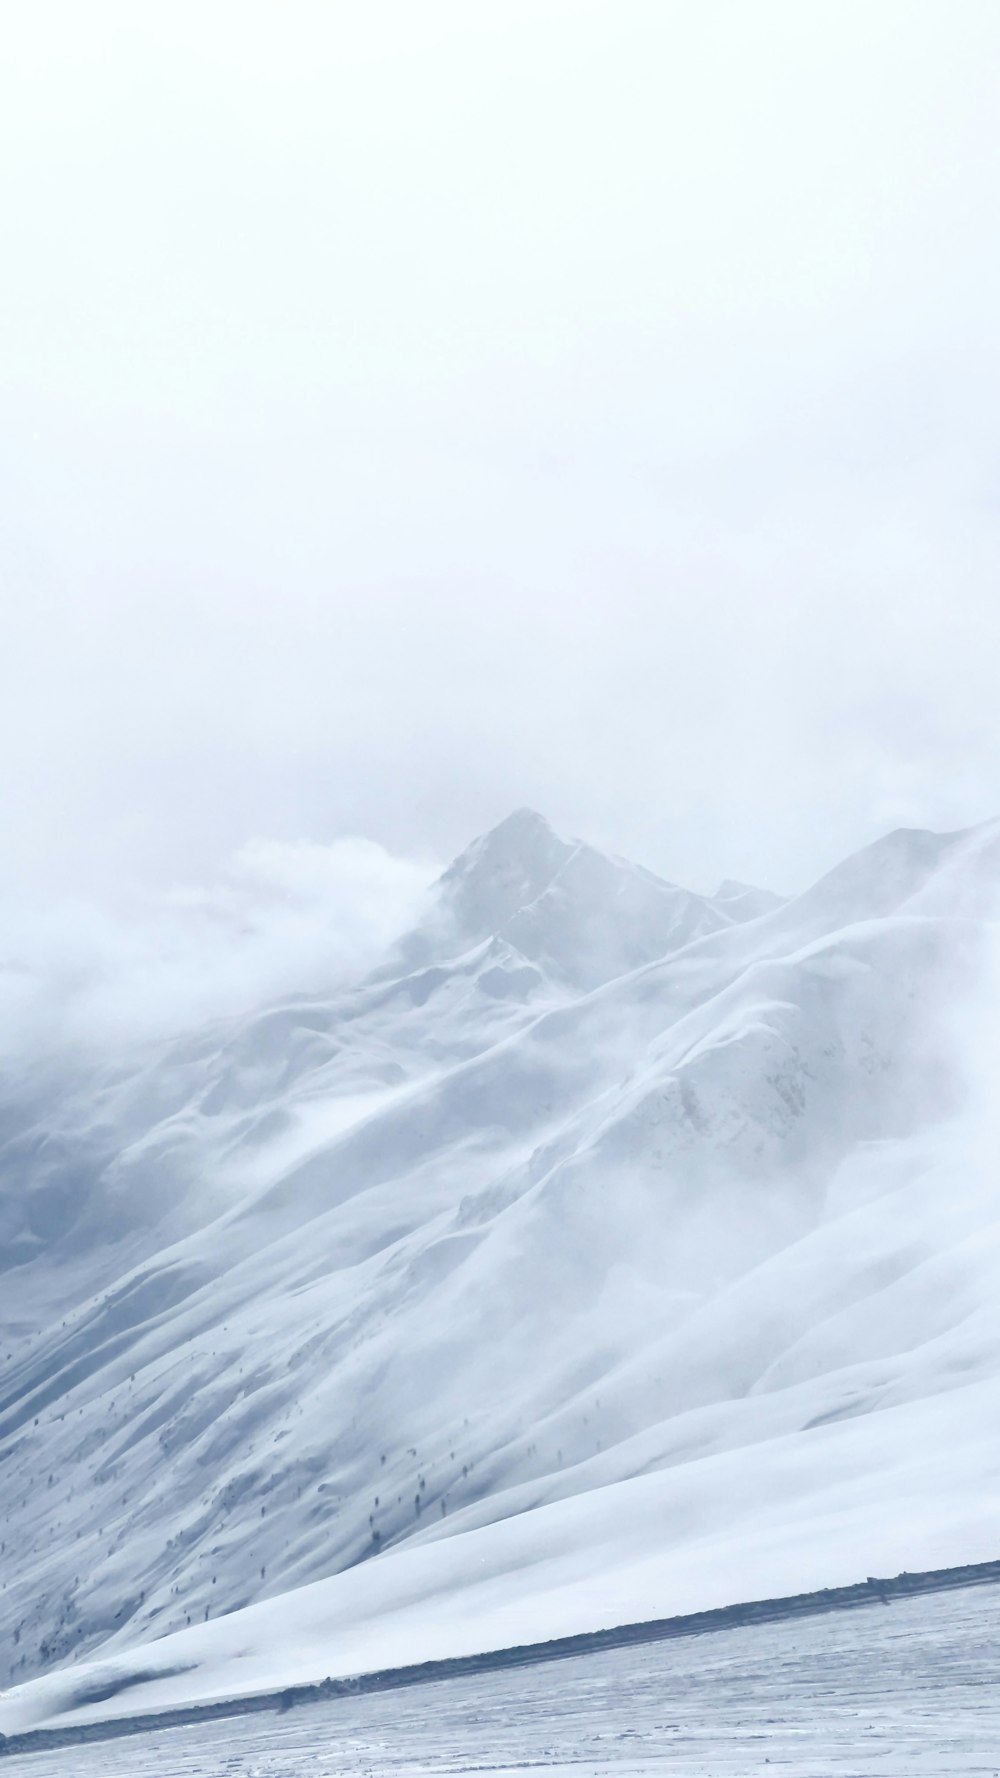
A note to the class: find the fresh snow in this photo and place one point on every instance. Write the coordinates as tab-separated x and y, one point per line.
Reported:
609	1252
907	1692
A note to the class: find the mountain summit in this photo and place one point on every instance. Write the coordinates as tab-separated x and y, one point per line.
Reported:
580	916
502	872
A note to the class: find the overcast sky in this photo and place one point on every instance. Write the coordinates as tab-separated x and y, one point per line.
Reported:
409	411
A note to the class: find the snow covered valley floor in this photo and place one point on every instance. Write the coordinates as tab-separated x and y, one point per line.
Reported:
906	1691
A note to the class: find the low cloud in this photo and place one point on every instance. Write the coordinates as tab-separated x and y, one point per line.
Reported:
282	918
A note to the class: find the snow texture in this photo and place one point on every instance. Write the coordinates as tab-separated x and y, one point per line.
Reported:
906	1693
608	1252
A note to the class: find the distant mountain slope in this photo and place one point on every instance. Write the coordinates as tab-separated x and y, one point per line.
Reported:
660	1213
576	915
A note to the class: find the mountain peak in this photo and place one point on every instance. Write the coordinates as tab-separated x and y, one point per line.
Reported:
502	870
524	833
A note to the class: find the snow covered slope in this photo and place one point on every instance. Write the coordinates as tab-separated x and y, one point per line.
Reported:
610	1251
904	1693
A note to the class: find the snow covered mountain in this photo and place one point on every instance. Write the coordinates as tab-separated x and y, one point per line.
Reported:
608	1251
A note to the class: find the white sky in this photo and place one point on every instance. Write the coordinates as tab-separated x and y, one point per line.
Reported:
410	411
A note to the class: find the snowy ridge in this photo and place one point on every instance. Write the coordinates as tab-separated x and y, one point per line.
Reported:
610	1252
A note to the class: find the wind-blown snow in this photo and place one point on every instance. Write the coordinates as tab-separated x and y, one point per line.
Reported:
608	1252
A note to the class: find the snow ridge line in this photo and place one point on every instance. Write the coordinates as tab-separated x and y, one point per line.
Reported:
873	1590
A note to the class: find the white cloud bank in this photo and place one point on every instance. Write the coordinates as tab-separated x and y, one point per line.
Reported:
282	918
411	412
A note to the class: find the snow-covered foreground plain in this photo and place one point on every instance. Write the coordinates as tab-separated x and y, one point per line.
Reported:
609	1252
907	1691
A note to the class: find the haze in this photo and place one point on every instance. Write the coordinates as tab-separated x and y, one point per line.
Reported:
412	412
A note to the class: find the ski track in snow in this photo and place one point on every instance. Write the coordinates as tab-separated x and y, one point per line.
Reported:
907	1692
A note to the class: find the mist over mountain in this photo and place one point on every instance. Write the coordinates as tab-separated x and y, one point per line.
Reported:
604	1250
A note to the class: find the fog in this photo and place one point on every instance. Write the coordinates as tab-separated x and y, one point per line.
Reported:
87	973
413	412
